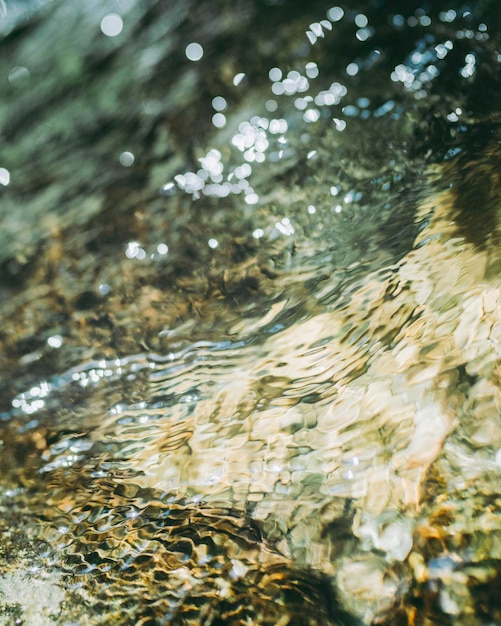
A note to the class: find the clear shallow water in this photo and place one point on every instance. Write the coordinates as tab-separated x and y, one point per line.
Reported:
278	401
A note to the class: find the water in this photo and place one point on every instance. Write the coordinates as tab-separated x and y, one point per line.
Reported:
252	316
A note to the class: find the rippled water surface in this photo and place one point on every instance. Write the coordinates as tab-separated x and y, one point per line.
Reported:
251	310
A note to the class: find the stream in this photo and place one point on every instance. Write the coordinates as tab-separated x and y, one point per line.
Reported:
251	301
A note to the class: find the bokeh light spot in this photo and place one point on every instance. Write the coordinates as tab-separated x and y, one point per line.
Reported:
194	51
126	159
112	25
